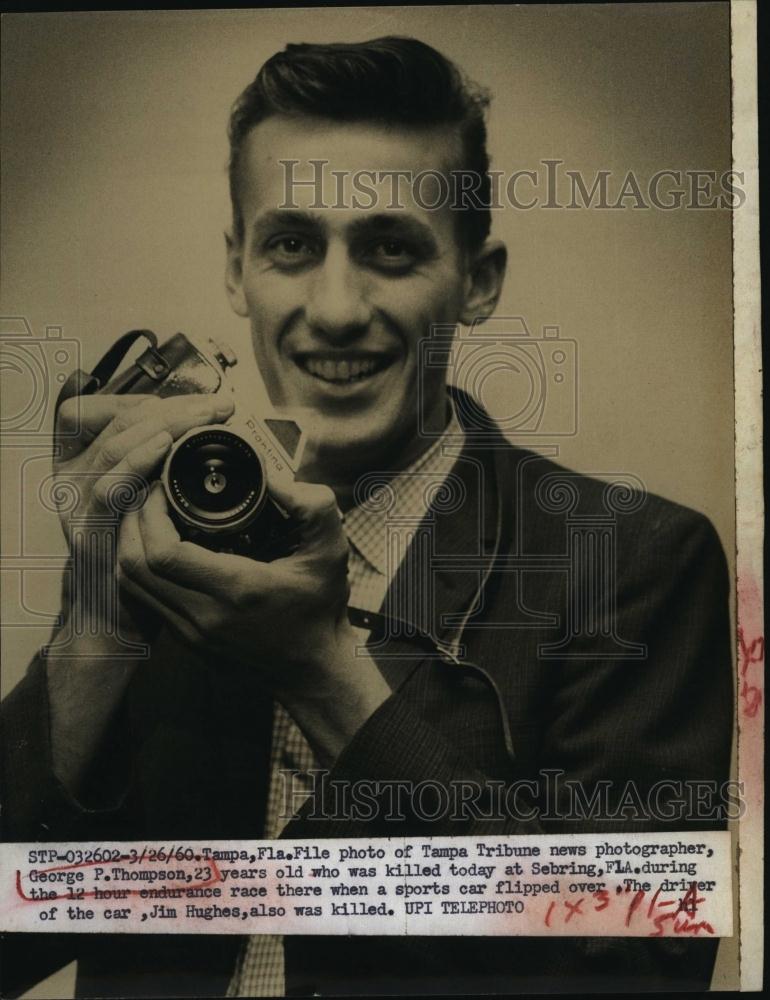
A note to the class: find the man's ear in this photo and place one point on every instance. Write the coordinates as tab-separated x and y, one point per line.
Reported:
234	274
484	282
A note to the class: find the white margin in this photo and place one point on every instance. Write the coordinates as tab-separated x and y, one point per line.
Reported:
749	495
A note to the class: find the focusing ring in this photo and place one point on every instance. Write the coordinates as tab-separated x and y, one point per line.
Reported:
214	480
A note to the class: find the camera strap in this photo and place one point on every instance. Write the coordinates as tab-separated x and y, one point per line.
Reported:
382	627
80	383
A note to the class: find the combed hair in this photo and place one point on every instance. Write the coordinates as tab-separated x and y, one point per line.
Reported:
391	80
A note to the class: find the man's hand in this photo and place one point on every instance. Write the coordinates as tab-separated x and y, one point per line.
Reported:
284	621
109	447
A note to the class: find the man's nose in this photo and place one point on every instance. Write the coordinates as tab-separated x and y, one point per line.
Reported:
337	304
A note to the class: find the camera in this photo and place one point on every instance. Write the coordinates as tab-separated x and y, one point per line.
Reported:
215	477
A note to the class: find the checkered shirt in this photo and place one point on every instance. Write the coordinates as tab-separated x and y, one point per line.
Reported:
379	530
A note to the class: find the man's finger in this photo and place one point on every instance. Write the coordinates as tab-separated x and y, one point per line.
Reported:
174	602
91	414
174	416
81	419
190	565
109	454
313	506
127	485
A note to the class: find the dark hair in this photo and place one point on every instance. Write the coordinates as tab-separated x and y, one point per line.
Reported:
392	80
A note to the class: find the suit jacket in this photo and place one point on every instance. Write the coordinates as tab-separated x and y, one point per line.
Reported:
620	675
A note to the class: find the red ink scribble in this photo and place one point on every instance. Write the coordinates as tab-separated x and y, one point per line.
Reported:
634	905
678	921
573	909
750	652
680	926
690	900
211	864
653	901
683	925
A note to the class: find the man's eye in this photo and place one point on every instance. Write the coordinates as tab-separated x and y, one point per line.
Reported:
393	255
292	250
393	248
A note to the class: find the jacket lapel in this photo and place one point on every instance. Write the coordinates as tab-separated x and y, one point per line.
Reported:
441	575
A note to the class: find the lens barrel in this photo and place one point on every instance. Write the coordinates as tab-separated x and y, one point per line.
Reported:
215	480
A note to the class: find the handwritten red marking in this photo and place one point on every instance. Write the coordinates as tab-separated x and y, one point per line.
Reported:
573	909
680	926
678	920
750	652
690	900
633	906
683	925
653	901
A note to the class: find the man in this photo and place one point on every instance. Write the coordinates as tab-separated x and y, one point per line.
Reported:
475	681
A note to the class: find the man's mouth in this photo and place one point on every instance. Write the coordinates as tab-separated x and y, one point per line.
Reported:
343	369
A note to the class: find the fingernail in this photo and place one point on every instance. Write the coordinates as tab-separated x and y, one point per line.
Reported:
214	404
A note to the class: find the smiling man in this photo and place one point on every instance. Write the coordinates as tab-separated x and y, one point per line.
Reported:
455	670
340	296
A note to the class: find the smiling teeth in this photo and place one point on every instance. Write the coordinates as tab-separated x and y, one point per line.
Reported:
341	371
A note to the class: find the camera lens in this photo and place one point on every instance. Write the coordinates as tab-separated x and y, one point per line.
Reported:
214	480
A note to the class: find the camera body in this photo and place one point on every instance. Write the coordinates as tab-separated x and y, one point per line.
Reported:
216	476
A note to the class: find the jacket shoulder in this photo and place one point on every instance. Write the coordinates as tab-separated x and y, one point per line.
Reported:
543	490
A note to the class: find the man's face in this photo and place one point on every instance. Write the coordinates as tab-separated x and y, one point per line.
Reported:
339	296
